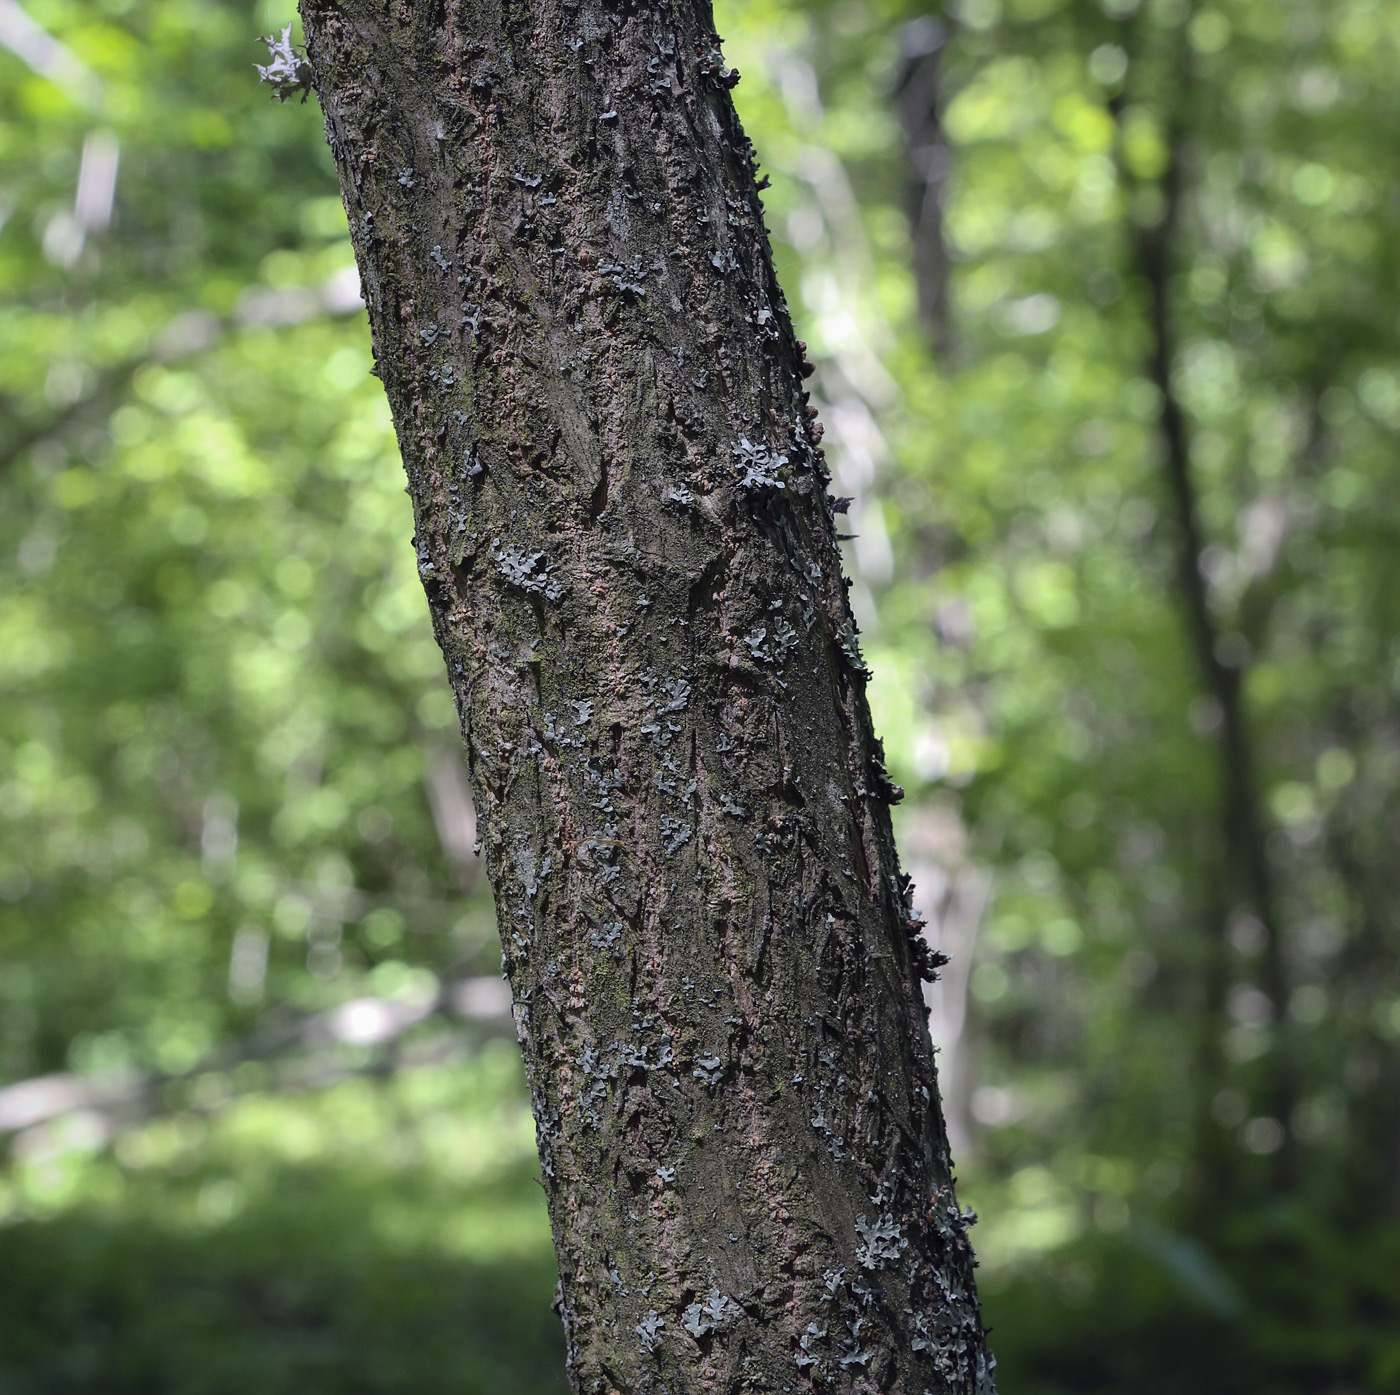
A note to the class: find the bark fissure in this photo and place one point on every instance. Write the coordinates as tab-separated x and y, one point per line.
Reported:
624	537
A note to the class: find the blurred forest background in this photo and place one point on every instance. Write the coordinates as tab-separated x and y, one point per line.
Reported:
1105	297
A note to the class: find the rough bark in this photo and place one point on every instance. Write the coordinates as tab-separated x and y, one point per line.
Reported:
627	547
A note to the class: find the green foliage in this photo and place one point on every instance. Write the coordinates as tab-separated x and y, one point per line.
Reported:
1151	1310
220	687
370	1238
1112	1056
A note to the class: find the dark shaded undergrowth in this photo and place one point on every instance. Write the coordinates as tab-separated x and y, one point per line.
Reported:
294	1294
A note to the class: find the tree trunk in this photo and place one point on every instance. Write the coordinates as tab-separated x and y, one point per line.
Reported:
1243	823
624	534
928	157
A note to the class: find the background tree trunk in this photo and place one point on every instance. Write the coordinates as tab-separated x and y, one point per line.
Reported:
626	543
919	101
1245	868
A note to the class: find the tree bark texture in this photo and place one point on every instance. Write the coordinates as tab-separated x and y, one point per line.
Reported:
627	546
